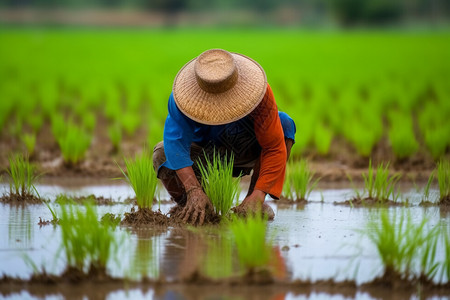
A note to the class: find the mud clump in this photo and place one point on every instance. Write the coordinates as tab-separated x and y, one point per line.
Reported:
445	201
43	222
146	216
16	199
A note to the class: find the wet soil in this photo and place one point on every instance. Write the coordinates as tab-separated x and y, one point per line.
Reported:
146	216
371	202
15	199
445	201
198	287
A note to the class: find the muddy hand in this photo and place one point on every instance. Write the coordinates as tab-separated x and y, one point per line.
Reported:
197	207
254	204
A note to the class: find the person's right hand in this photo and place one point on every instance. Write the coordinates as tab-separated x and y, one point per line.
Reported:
197	208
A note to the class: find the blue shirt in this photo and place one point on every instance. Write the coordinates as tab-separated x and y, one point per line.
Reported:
180	132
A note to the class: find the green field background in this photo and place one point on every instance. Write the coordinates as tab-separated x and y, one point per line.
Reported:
359	86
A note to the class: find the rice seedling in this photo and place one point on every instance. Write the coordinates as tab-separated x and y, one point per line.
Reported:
142	178
443	176
29	139
250	238
115	135
401	135
445	265
397	239
410	250
299	182
35	121
130	122
322	139
74	142
55	219
88	121
380	185
87	243
218	182
426	193
22	177
111	219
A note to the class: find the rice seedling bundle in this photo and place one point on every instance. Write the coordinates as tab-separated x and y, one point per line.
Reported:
115	135
401	135
218	182
250	238
130	122
86	242
142	178
73	143
22	176
299	182
322	139
380	185
397	239
56	73
409	249
29	139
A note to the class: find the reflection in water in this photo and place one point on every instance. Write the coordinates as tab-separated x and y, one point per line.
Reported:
145	260
183	253
218	261
20	233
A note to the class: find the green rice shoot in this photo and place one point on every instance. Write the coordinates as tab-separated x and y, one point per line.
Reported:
426	191
250	238
380	185
29	140
86	242
142	178
443	176
74	143
22	176
407	248
218	182
299	182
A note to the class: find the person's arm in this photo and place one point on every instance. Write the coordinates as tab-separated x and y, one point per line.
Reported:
272	164
269	133
178	137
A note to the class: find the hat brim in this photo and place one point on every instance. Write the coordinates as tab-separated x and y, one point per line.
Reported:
220	108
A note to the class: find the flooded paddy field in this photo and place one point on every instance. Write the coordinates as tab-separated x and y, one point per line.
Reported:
321	250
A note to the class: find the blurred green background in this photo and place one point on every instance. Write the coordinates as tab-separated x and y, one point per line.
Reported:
370	75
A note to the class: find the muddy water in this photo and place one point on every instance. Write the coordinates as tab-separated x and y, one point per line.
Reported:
316	241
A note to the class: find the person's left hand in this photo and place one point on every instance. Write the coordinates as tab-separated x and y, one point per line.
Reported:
254	204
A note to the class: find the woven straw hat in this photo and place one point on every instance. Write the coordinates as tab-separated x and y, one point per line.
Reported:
219	87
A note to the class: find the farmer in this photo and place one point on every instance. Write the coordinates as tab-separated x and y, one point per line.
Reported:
221	102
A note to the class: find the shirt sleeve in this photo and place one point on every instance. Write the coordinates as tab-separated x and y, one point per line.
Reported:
269	133
178	137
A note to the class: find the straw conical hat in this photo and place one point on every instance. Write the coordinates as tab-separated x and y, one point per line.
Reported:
219	87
